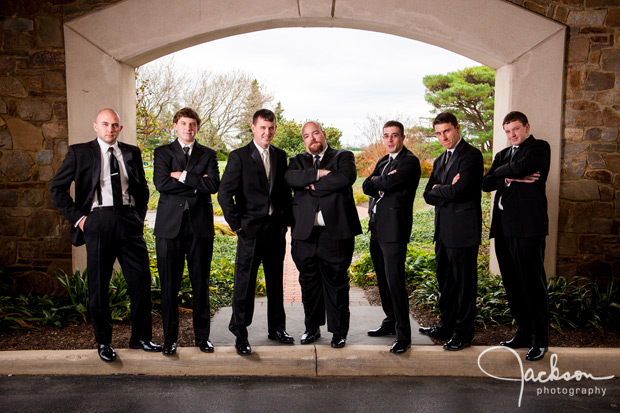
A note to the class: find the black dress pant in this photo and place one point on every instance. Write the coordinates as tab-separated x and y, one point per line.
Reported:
323	263
110	235
457	276
171	255
389	261
268	247
521	262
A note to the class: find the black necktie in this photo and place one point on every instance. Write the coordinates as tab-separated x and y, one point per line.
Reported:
386	168
115	178
317	162
186	150
448	156
513	151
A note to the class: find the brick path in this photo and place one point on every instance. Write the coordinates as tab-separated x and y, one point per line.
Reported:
292	291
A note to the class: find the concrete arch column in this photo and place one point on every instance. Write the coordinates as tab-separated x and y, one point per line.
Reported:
103	48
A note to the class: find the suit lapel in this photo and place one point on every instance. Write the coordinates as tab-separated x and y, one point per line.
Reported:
196	154
255	154
329	154
96	152
177	151
128	161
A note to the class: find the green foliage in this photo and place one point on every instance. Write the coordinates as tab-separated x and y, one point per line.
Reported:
469	95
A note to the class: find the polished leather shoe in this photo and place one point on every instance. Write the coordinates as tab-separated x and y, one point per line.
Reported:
308	337
338	341
243	347
107	353
536	353
145	345
170	349
456	344
282	336
382	331
515	342
436	332
399	346
205	346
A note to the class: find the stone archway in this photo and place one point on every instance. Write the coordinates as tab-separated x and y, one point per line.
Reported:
527	50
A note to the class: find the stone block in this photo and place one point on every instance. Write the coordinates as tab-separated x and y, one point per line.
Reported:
560	14
613	17
606	192
6	142
593	134
600	81
580	191
46	173
573	134
45	157
47	59
601	176
608	97
574	82
8	198
11	226
594	267
586	18
572	150
7	64
20	212
583	118
60	110
590	244
610	60
43	223
611	116
591	4
612	162
24	135
55	130
33	83
578	48
8	252
35	282
15	41
603	209
34	109
10	86
574	168
17	166
568	244
610	135
22	25
596	161
3	108
616	181
49	31
53	80
536	8
604	147
594	57
31	197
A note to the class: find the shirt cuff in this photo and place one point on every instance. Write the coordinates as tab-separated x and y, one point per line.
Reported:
182	177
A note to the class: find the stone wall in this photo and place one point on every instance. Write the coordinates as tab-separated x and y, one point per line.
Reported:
589	220
33	136
33	139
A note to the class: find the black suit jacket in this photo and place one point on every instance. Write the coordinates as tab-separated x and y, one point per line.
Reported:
196	190
82	165
393	216
525	204
245	194
458	214
333	194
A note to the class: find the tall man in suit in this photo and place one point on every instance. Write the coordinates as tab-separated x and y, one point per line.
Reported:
392	187
519	227
454	189
111	196
186	174
324	230
257	205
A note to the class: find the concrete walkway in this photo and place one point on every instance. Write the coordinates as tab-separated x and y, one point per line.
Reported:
362	356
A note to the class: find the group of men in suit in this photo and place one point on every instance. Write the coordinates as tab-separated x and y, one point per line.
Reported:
519	227
111	196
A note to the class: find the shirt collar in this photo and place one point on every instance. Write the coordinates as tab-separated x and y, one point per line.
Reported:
320	154
261	150
105	147
191	145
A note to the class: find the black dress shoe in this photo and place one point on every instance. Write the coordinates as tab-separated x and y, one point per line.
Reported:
282	336
382	331
338	341
170	349
536	353
515	342
107	353
399	346
145	345
308	337
205	346
456	344
436	332
243	347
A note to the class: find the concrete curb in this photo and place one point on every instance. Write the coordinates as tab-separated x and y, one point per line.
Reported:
318	361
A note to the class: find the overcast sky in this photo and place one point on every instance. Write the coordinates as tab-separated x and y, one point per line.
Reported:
333	75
